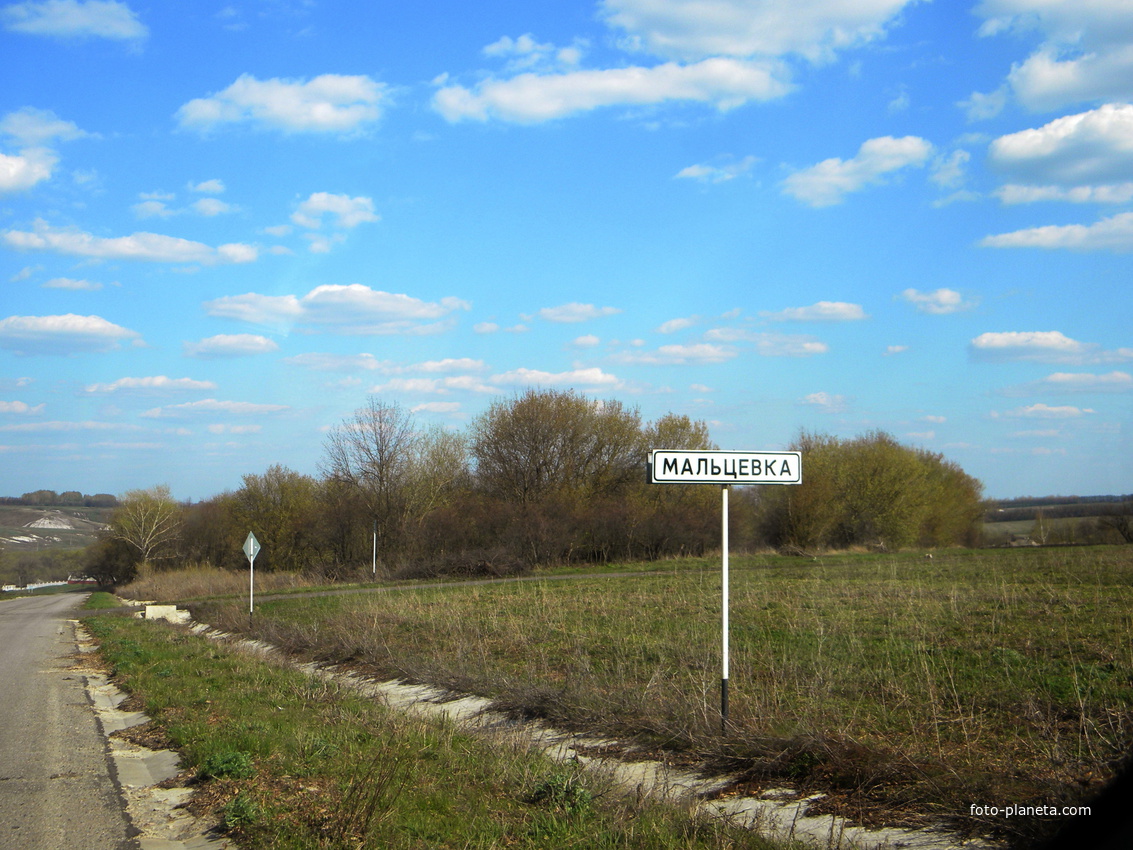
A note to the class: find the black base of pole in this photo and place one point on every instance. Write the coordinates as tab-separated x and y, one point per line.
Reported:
723	706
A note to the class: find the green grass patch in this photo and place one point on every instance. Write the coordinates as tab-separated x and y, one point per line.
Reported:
297	762
911	684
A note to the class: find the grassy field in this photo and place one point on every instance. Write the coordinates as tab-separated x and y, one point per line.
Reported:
285	760
909	688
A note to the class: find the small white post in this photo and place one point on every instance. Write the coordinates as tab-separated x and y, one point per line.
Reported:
724	607
375	550
251	583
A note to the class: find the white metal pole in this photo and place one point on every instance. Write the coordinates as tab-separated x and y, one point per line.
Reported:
251	582
724	607
375	550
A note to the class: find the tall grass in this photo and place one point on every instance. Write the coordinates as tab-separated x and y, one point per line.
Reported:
202	581
296	762
910	684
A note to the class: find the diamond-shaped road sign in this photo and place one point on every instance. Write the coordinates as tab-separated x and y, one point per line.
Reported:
251	546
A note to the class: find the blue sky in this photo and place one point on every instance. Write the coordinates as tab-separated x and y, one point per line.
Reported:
223	225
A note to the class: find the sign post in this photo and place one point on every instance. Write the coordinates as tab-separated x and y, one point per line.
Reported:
251	549
725	469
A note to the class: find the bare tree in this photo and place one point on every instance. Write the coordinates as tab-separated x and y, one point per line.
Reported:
399	471
149	520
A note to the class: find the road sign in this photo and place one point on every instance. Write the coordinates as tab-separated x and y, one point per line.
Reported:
251	549
668	466
673	466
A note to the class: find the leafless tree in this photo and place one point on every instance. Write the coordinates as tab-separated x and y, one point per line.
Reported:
149	520
398	470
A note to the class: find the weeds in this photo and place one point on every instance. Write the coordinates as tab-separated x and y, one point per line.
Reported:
331	770
989	676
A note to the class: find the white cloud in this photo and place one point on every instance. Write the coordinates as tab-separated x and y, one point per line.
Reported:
1083	157
330	103
214	186
345	212
1108	234
722	173
212	406
667	355
938	303
155	383
450	364
19	172
771	344
211	206
590	377
74	19
485	327
688	29
352	308
828	182
827	402
31	127
575	312
1059	383
890	350
449	408
230	345
21	408
586	341
66	334
674	325
339	362
1043	411
148	247
1043	347
1085	54
823	311
530	98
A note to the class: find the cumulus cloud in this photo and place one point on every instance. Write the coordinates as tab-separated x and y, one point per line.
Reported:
828	182
74	19
1044	411
66	334
823	311
230	345
723	83
143	246
938	303
211	406
1043	347
587	377
1108	234
688	29
575	312
1082	157
19	172
330	103
352	308
21	408
155	383
771	344
827	402
342	211
32	131
723	172
673	355
1084	55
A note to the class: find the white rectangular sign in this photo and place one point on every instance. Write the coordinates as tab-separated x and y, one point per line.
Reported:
673	466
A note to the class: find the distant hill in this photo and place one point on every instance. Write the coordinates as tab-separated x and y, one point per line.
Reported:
32	529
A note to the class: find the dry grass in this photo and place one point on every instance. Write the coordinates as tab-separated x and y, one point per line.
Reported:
204	582
909	686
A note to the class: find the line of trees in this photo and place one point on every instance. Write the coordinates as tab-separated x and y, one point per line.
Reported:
66	499
543	476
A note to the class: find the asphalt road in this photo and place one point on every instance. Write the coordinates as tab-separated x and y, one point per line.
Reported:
56	783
